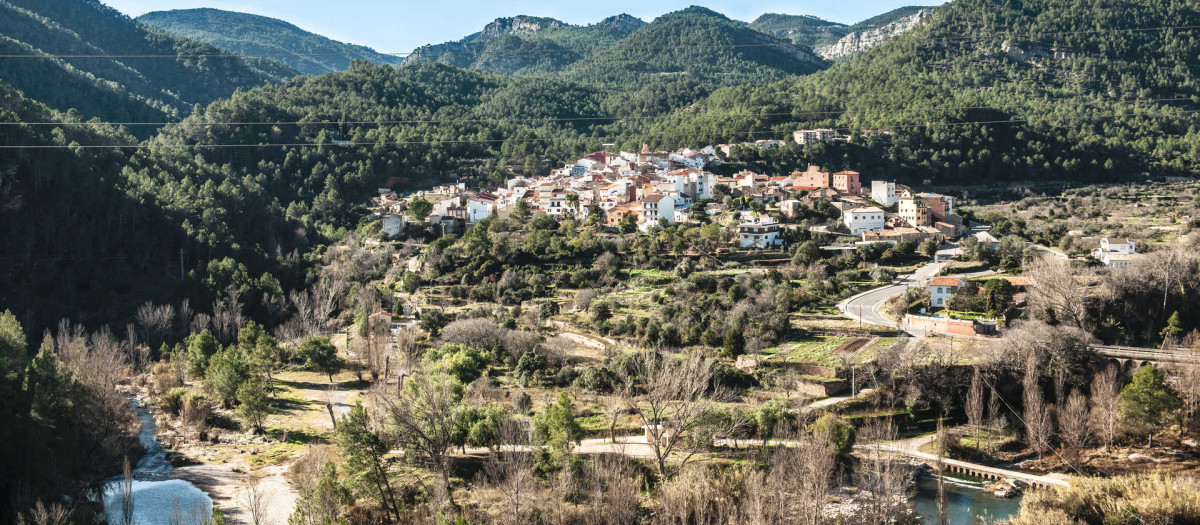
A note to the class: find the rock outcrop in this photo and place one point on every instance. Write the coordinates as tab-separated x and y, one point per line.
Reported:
859	41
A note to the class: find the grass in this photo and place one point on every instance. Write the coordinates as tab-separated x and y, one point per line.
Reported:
1151	497
816	350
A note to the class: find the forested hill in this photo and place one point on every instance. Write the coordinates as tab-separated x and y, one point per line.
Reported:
527	45
78	241
1083	84
800	29
695	44
122	88
248	34
253	216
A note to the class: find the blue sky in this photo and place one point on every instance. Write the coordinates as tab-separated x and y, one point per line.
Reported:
401	25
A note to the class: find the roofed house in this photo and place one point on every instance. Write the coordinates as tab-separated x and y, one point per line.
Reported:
941	288
1117	253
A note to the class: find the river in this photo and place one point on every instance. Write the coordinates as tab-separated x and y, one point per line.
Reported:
157	499
966	502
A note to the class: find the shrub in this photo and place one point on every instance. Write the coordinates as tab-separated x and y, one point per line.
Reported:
596	379
171	401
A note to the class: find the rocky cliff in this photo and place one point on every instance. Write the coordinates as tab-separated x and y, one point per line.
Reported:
866	38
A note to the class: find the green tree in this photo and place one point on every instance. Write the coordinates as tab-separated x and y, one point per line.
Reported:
253	405
928	248
628	224
767	416
226	373
364	451
1174	328
201	347
320	355
521	212
735	342
433	321
420	209
601	311
555	425
1147	402
840	435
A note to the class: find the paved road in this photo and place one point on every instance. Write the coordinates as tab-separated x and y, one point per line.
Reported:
865	306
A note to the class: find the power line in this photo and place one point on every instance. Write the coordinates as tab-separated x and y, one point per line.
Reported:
751	132
980	36
567	119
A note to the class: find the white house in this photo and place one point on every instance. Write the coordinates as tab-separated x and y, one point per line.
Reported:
481	207
393	224
657	206
1117	253
941	288
863	219
884	192
759	231
790	208
814	136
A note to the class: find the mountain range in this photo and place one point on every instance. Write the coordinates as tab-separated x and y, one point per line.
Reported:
90	58
247	34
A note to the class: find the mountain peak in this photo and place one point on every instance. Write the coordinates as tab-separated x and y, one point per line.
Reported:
624	21
694	11
522	25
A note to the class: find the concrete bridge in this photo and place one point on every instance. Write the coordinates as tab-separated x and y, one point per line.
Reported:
971	469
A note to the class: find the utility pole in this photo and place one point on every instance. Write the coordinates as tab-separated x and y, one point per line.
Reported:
181	264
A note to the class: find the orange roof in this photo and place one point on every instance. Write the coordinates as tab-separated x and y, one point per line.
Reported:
847	173
1019	280
945	281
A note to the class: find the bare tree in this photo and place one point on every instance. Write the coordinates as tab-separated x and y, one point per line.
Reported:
1073	423
200	322
155	322
882	478
1106	405
227	316
183	318
801	478
1169	265
996	421
253	499
1037	417
1056	288
940	467
40	514
669	395
126	489
510	470
974	406
615	484
425	417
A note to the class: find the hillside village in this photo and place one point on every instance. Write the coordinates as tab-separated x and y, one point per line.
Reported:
638	191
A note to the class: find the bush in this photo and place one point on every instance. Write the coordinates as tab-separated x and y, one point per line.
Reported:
195	409
171	401
464	363
596	379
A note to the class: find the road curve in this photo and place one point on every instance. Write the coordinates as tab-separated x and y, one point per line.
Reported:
865	306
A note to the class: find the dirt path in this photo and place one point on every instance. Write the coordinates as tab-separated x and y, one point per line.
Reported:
227	485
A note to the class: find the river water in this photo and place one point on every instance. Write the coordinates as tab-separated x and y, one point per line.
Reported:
157	499
966	502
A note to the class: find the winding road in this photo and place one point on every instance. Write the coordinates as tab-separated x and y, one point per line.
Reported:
865	306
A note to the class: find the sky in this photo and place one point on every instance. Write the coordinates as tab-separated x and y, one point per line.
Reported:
394	26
